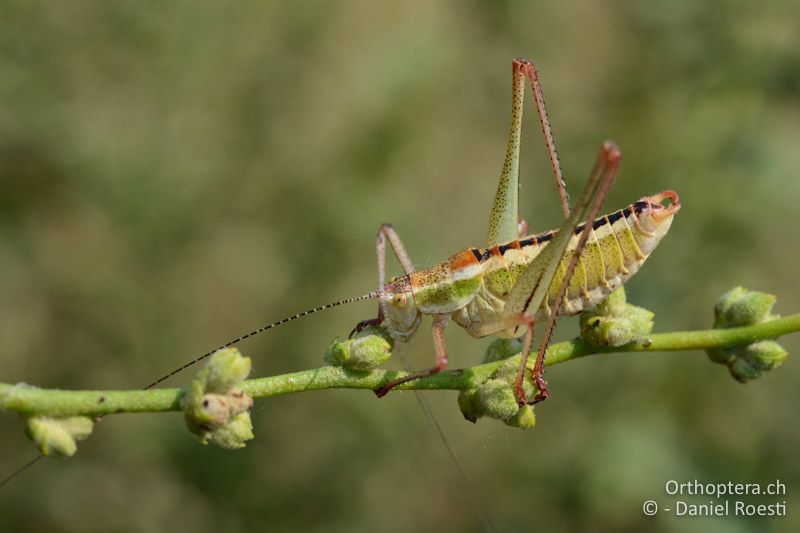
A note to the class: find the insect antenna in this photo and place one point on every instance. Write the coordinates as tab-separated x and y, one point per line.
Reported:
457	469
262	329
20	470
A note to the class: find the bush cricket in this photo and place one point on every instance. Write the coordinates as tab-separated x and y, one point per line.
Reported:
518	279
503	289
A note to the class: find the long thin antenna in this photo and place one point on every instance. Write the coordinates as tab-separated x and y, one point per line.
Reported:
455	464
373	294
6	480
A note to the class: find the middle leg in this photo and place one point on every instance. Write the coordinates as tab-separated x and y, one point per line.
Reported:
439	323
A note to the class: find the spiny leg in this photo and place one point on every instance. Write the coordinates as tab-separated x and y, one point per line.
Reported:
439	323
385	232
527	319
533	286
607	163
504	217
533	76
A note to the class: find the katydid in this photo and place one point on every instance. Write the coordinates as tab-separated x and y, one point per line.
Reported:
518	279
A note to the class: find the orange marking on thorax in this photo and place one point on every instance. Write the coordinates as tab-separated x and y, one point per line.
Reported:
462	260
419	279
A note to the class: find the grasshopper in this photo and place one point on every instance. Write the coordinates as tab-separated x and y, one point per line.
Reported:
518	279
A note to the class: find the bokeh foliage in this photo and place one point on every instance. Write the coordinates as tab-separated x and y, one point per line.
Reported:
174	175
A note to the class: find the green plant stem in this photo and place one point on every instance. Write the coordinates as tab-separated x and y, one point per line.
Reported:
29	400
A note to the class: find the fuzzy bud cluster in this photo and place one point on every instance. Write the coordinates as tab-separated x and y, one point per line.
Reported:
369	349
740	307
215	408
495	397
58	436
614	322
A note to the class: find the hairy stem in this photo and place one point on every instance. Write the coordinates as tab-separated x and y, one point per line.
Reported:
30	400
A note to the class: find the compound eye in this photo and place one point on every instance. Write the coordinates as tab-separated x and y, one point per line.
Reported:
399	300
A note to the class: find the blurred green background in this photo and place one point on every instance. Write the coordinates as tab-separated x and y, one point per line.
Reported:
175	175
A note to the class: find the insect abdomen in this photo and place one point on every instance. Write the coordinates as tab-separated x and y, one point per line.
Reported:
610	258
619	243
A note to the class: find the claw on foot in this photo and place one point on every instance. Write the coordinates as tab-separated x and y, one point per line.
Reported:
383	390
541	386
542	392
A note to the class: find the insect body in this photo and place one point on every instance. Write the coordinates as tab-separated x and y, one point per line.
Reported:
472	286
519	279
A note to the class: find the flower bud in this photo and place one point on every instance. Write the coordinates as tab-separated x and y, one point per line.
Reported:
214	405
367	353
523	419
370	349
740	307
225	370
56	437
496	399
234	434
613	322
750	361
468	404
337	353
614	303
605	331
